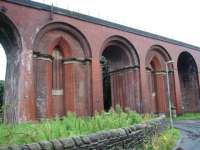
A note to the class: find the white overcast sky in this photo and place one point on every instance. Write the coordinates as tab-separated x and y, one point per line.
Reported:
176	19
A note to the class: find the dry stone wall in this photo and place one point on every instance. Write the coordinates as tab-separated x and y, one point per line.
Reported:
117	139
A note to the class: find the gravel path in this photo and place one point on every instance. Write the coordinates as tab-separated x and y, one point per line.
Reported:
190	135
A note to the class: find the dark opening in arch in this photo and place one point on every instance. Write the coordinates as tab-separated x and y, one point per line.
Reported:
115	58
121	81
106	84
189	82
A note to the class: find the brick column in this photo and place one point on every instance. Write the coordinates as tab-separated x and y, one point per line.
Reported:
145	93
43	85
26	103
97	83
178	102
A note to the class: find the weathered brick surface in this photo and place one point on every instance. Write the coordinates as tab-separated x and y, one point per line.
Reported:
122	138
135	58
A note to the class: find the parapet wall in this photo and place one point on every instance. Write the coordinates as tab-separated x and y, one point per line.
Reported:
122	138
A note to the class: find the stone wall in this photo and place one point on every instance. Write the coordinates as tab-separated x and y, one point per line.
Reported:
122	138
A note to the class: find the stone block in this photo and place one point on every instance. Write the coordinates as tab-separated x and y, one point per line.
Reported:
46	145
57	145
68	143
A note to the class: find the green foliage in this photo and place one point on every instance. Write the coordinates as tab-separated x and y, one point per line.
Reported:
67	126
1	98
189	116
1	88
165	141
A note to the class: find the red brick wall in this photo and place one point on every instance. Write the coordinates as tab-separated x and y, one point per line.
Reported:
83	85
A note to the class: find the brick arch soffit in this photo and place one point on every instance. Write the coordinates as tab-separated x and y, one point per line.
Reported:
155	64
68	29
11	41
123	44
190	55
158	55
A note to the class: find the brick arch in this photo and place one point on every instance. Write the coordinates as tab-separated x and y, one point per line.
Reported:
74	50
160	53
11	41
123	72
156	60
123	44
66	29
189	82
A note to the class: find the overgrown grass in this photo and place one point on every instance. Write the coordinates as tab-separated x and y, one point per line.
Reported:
165	141
68	126
189	116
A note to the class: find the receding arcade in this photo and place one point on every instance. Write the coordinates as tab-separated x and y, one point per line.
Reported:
61	61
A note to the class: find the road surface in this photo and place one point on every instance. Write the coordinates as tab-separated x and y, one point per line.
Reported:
190	135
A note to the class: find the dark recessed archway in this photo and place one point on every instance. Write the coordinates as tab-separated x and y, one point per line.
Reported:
113	59
120	69
10	40
189	82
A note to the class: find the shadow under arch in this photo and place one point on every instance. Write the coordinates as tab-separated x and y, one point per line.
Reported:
11	42
189	82
156	60
62	44
121	75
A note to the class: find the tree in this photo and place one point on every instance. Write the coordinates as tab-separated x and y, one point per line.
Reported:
1	91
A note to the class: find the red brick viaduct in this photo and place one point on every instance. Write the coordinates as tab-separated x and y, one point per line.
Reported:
55	59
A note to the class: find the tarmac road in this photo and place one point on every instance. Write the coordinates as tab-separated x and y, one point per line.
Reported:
190	135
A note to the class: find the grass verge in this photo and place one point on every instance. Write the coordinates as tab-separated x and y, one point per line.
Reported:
69	126
189	116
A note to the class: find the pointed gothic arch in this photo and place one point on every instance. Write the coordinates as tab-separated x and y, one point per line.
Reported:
74	53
